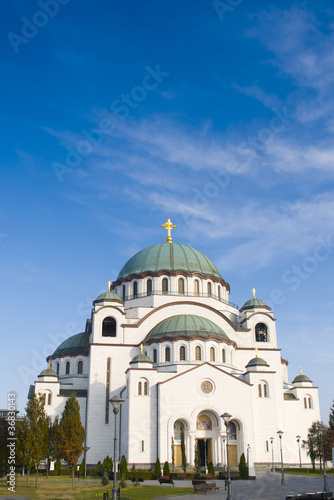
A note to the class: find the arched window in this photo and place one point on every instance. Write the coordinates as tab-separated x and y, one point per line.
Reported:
212	354
165	286
178	429
224	356
196	287
145	388
219	292
182	353
80	367
149	287
261	333
123	293
167	354
139	388
67	368
109	327
263	389
209	289
155	356
57	368
307	402
49	398
259	388
265	392
181	286
232	431
135	289
198	353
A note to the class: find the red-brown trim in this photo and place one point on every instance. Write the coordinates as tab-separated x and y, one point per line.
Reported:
112	307
205	363
284	362
68	355
258	371
255	307
47	381
263	313
114	345
140	369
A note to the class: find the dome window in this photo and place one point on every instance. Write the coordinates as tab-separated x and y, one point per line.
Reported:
212	354
181	286
139	388
109	327
149	287
80	367
209	289
57	368
261	333
165	286
196	287
123	293
198	353
155	356
67	371
219	292
224	356
135	290
182	353
167	354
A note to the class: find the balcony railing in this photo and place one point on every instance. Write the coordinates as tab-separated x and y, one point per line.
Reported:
176	294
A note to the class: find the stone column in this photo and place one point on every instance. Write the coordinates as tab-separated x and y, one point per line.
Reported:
191	457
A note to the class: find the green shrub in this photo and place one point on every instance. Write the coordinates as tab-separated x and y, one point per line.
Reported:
99	468
82	468
157	469
58	467
211	469
107	464
105	479
243	467
166	469
123	468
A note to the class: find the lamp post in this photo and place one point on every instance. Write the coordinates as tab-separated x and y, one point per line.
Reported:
322	431
206	469
248	448
85	449
280	434
116	403
272	454
224	460
300	456
226	417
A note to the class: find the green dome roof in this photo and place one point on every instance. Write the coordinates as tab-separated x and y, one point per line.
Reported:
186	325
48	373
257	362
108	296
254	302
169	256
141	358
77	344
301	378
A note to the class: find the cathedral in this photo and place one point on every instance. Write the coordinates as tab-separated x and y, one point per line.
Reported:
166	339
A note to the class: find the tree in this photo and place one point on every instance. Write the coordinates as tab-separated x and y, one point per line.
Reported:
313	443
157	469
173	454
197	458
52	442
331	418
99	468
243	467
72	434
166	469
123	467
3	446
82	468
107	465
58	467
183	453
32	435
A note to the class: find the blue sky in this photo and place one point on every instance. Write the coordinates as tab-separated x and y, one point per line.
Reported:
118	115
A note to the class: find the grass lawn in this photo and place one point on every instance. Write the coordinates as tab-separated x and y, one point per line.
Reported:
308	472
61	488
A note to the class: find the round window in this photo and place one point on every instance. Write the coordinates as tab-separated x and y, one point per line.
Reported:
206	387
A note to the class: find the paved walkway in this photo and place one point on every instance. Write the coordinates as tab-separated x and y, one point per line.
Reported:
267	486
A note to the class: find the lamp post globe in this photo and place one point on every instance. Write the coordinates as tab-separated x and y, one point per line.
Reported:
116	403
226	417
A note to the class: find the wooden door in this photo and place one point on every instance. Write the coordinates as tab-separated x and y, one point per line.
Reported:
233	453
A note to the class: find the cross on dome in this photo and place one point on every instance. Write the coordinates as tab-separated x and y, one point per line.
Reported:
169	226
253	292
141	348
109	285
256	351
301	371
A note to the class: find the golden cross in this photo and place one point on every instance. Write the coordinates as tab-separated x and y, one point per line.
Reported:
301	371
141	348
253	291
48	364
109	285
169	226
256	351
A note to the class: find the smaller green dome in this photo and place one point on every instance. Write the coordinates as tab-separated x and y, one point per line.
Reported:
186	326
48	373
141	358
301	378
254	302
109	296
257	362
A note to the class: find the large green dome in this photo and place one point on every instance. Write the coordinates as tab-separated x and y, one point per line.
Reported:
169	257
75	345
186	326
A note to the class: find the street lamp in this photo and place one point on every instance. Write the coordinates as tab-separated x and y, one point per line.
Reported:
224	461
116	403
205	465
322	431
300	456
272	454
85	449
226	417
280	434
248	448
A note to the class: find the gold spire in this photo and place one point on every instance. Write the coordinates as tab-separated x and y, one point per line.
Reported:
109	285
256	351
253	292
48	364
141	348
169	226
301	371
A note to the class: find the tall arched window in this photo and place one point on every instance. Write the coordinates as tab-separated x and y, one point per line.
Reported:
182	353
57	368
155	356
67	368
139	388
259	388
80	367
135	289
209	289
109	327
149	287
232	431
198	353
167	354
49	398
123	293
181	286
261	333
212	354
165	286
224	356
219	292
145	388
196	287
307	402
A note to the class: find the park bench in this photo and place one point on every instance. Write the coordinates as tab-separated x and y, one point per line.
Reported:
165	480
310	496
204	486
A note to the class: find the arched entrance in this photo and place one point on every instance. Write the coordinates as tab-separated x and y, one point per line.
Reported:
207	437
234	445
180	428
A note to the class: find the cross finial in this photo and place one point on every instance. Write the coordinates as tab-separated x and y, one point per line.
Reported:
48	364
141	348
253	292
301	371
169	226
109	285
256	351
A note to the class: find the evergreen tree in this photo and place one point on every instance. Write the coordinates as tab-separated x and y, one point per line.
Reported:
157	469
173	454
211	469
58	467
99	468
123	468
243	467
197	458
107	465
331	418
313	443
23	448
52	442
82	468
72	434
183	453
166	471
